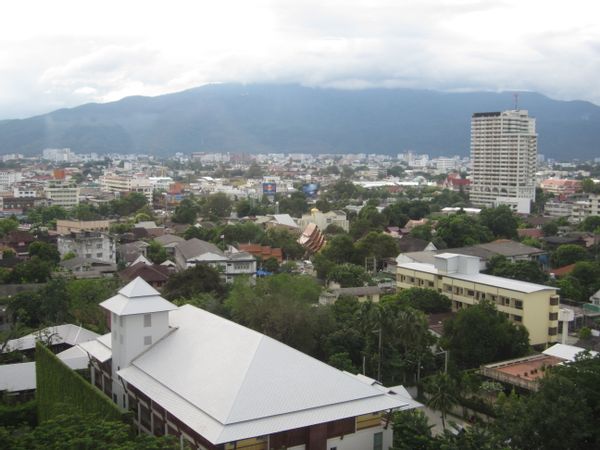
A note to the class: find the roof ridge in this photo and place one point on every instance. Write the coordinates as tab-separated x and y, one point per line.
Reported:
260	340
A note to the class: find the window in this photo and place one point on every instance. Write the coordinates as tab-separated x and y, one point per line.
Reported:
553	331
147	340
518	304
517	318
98	255
378	441
147	320
553	316
120	321
554	300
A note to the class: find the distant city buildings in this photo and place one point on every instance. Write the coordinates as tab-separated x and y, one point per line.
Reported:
504	159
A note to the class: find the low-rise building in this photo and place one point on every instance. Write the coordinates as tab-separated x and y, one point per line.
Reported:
323	220
216	385
231	263
77	226
89	245
534	306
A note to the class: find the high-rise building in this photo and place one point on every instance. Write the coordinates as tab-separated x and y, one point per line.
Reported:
504	159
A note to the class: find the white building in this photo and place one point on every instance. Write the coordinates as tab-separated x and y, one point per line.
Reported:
215	384
58	155
8	179
89	245
62	194
230	264
503	158
323	220
117	183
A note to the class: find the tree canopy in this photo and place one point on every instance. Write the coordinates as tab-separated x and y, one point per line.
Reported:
480	334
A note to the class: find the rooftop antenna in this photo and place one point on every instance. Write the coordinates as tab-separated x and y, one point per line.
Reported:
516	97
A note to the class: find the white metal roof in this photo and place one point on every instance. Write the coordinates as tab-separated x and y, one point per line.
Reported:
138	297
285	219
567	352
490	280
21	376
99	348
60	334
229	382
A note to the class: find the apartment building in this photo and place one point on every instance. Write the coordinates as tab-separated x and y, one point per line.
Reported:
504	159
89	245
535	306
8	179
62	194
216	385
117	183
77	226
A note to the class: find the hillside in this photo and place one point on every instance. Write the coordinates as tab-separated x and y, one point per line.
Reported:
289	118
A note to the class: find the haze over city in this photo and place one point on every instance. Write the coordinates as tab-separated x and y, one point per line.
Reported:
66	53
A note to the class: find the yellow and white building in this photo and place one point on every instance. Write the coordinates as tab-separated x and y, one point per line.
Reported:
535	306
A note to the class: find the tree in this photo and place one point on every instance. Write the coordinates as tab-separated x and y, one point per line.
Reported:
459	230
422	232
128	204
501	221
480	334
186	212
529	271
254	171
349	275
217	205
194	281
442	390
340	249
295	205
396	215
590	223
427	300
411	431
564	413
88	432
550	228
156	252
280	306
45	252
34	270
8	225
568	254
271	265
286	241
377	245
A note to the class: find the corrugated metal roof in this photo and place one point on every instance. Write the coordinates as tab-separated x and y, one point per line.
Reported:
490	280
568	352
138	297
60	334
232	382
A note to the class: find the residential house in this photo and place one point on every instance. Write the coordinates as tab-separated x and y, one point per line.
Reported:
231	263
155	275
18	241
362	293
216	385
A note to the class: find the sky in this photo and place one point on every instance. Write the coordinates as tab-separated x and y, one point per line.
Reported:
63	53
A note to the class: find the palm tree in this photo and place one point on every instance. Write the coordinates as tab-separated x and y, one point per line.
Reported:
443	394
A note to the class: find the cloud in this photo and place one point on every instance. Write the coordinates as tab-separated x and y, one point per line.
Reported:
65	56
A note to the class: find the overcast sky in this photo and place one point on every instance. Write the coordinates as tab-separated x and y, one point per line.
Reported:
63	53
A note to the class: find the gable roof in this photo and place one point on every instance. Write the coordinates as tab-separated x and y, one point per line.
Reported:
194	247
168	239
60	334
148	272
234	383
138	297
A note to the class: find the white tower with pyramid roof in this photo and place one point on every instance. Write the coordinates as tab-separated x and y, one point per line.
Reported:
139	318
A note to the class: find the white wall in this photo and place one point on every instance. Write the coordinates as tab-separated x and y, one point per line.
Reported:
362	440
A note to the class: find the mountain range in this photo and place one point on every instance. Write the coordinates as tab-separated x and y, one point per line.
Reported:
292	118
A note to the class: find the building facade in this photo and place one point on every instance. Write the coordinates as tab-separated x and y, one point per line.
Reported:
89	245
62	194
534	306
216	385
504	159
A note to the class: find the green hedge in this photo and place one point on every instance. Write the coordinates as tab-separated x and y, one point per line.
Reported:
60	389
18	414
